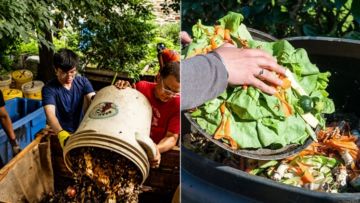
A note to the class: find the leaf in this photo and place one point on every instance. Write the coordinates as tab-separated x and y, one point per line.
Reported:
301	58
282	49
266	46
309	83
245	106
242	33
244	133
196	113
200	31
231	21
329	106
212	105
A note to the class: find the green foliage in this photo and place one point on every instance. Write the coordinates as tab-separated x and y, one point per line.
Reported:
281	18
113	34
30	48
117	32
67	39
6	64
22	19
167	34
171	32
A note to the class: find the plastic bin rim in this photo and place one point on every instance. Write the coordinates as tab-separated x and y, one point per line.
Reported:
194	160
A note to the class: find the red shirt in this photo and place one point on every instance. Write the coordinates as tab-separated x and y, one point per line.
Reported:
166	115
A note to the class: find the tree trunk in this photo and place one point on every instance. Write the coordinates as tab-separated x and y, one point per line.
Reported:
46	67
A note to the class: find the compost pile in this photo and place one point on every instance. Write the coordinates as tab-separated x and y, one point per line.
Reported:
329	165
100	176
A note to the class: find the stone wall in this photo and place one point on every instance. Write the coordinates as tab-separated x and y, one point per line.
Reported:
162	18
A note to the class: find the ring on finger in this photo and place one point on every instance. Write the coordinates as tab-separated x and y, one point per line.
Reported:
261	72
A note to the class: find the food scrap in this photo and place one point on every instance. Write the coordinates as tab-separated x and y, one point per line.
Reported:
100	176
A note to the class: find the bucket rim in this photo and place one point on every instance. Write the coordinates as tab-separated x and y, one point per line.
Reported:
77	141
38	85
28	75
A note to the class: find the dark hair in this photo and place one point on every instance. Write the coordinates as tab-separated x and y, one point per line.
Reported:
65	59
171	68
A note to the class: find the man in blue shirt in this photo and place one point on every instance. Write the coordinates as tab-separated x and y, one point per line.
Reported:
67	97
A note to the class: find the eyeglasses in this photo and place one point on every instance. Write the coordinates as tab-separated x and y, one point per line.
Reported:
70	73
168	91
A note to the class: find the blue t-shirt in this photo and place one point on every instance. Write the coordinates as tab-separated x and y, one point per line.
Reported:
68	103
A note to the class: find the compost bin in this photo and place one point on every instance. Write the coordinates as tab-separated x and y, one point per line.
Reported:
119	121
204	180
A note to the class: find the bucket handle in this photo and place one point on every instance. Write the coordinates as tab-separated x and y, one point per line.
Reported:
147	144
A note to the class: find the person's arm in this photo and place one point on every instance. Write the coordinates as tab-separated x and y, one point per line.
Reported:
168	142
88	92
54	123
7	124
205	77
171	137
52	119
8	128
165	144
87	100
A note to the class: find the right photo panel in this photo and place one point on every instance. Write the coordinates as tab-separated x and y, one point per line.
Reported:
269	101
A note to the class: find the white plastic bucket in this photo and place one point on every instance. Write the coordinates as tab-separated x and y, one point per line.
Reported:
32	90
12	93
5	81
21	76
120	121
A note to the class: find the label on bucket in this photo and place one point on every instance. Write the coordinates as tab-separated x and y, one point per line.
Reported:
104	110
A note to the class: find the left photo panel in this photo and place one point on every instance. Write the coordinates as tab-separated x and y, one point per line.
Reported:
90	101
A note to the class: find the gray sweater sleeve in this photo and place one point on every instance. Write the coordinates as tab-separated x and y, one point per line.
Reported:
203	77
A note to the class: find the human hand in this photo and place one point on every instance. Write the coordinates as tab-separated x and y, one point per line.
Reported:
185	38
250	67
63	135
15	148
155	162
122	84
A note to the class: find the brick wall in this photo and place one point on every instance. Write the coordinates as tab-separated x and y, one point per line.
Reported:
162	18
